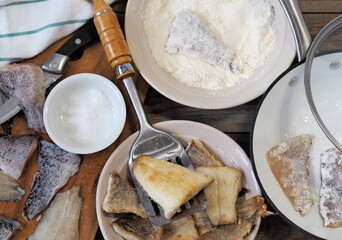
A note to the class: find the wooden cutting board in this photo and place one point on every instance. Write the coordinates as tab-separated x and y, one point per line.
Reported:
92	61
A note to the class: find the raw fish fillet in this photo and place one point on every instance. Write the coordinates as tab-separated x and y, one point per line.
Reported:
55	167
60	221
190	37
8	227
9	188
15	151
25	83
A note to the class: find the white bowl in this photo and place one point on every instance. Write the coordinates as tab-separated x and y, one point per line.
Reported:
218	143
277	62
84	125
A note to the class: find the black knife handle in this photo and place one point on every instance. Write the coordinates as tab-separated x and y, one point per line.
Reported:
82	37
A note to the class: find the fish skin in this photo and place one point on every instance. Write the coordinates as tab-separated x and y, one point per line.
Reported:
55	167
190	37
230	231
134	227
25	82
121	197
247	212
14	153
202	222
9	188
60	221
199	156
181	229
254	205
8	227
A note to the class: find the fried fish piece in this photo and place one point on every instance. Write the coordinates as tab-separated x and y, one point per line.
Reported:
230	231
133	227
254	205
199	156
247	211
202	222
181	229
121	197
9	188
169	185
222	193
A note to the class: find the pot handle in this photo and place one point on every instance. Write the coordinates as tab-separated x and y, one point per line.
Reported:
298	26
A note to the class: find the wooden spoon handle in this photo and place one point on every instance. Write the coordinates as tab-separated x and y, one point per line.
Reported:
111	36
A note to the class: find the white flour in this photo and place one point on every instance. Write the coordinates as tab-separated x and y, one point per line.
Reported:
247	27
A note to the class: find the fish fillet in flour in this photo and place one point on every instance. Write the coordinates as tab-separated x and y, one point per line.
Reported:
55	167
15	151
188	36
60	221
8	227
9	188
25	83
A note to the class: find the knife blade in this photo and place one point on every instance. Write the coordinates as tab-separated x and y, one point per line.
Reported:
7	125
53	67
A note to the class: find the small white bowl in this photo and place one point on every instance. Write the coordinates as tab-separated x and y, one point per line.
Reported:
84	113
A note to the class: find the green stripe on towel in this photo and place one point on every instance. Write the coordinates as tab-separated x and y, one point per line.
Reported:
21	2
9	59
43	28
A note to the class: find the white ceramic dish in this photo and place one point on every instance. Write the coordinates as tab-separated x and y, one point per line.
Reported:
284	113
278	61
219	144
53	117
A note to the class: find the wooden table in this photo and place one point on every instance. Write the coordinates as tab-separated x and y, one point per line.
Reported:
236	122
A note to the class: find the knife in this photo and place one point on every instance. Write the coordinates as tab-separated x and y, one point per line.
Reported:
53	67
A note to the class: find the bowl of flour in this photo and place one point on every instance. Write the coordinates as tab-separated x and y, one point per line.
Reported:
256	32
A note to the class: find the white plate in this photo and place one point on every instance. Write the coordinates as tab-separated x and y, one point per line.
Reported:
219	144
284	113
278	61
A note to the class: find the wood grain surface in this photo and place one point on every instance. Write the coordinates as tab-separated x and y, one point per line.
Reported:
93	60
236	122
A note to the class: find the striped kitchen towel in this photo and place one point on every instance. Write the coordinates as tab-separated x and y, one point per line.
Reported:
28	27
